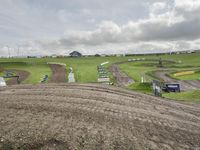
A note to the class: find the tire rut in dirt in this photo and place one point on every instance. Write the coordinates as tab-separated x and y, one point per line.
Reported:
79	116
58	73
122	78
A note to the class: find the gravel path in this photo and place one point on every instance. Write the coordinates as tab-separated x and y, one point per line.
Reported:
90	116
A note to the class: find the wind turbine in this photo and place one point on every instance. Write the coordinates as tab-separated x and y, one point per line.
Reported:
18	47
173	46
8	50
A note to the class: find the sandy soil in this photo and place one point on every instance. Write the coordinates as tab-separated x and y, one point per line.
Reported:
23	75
58	73
185	85
122	78
89	116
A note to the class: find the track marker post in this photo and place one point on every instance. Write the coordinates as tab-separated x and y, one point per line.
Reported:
157	90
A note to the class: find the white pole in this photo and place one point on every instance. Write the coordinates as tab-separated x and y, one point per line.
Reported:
8	51
18	50
142	79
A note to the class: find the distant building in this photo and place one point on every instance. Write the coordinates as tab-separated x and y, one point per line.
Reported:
120	55
54	56
103	55
97	55
75	54
31	56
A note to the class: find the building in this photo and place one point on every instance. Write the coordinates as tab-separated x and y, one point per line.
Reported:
54	56
75	54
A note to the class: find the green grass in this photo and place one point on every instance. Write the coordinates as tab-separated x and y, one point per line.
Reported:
142	87
85	68
36	70
85	73
136	72
190	96
195	76
1	74
36	73
147	69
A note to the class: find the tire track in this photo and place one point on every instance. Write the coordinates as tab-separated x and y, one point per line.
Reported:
70	112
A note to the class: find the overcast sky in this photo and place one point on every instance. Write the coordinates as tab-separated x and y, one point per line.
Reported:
46	27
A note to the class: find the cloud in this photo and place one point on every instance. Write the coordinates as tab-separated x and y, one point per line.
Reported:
158	8
187	5
100	26
169	26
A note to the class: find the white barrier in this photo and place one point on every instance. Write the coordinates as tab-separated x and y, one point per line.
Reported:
103	79
71	78
56	63
2	82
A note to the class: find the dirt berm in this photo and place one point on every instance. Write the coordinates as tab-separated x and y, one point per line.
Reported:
88	116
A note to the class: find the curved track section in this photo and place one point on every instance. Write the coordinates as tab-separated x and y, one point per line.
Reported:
23	75
89	116
186	85
58	73
122	78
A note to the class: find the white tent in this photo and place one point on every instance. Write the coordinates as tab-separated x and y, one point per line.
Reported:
2	82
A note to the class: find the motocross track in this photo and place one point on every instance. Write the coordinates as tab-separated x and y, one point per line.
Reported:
122	78
90	116
186	85
58	73
23	75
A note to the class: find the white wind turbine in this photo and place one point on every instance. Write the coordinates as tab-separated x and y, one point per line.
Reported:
8	50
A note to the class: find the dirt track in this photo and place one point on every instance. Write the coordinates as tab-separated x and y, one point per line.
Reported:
58	73
122	78
186	85
23	75
75	116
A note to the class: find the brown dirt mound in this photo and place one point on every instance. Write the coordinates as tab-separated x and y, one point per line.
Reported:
88	116
59	73
23	75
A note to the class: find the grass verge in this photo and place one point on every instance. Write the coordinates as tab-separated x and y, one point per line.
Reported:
195	76
190	96
142	87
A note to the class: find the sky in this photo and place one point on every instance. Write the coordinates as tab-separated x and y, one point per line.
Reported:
47	27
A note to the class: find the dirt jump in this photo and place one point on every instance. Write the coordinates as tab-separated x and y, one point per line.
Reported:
122	78
58	73
23	75
90	116
186	85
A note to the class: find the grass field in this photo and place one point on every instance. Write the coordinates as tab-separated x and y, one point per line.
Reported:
136	70
37	70
146	69
195	76
141	87
85	68
191	96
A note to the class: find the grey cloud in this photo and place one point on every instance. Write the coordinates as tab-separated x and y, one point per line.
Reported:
99	26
